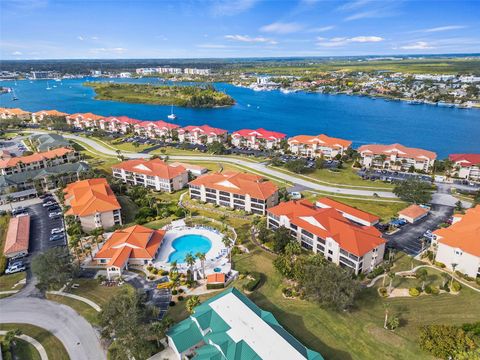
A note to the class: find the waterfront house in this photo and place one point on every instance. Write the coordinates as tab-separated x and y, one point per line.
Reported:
11	113
396	157
39	116
155	174
257	139
135	245
155	129
458	246
201	134
93	202
40	160
318	146
230	326
121	124
466	166
330	232
236	190
83	121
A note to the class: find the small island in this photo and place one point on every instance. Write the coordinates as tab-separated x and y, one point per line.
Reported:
205	96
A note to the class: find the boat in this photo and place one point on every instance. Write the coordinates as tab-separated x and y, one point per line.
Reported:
14	96
57	79
48	86
172	116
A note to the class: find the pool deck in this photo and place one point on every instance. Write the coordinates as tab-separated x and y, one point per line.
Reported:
215	257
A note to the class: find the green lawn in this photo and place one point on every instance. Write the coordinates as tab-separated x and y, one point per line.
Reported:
85	310
343	177
54	348
91	289
385	210
7	282
357	334
24	350
4	220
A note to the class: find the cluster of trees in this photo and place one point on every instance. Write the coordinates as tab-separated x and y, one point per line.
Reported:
216	148
53	268
8	344
414	191
318	279
126	322
451	342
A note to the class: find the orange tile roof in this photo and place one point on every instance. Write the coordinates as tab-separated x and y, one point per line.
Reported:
18	235
205	129
328	222
91	196
135	242
398	149
413	211
321	139
259	133
85	116
238	183
15	111
216	278
363	215
51	154
155	167
465	160
463	234
50	113
160	124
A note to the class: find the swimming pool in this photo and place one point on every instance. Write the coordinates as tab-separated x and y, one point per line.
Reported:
185	244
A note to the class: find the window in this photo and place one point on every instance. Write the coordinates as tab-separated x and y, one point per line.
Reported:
330	252
306	233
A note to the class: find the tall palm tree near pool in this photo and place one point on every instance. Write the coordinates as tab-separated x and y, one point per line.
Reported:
173	267
201	256
190	260
228	243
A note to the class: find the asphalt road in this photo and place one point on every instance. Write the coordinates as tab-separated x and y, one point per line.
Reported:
75	333
259	167
408	238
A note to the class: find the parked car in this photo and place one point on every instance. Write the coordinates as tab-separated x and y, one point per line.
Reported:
18	210
17	257
55	214
57	237
57	231
49	203
15	268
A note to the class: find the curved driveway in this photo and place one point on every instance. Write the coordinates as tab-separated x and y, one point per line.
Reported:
75	333
259	167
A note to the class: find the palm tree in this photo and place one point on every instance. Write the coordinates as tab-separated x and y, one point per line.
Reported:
228	243
190	260
386	306
454	265
10	336
391	275
173	268
159	328
423	276
192	302
74	244
175	281
201	256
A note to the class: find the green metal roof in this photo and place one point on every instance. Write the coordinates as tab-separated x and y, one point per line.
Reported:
185	336
49	141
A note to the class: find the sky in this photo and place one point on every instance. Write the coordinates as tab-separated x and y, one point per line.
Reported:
101	29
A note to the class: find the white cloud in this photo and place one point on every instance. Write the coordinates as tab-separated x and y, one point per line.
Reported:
443	28
229	8
212	46
281	28
95	38
117	50
340	41
365	9
81	38
16	53
353	5
419	45
321	29
248	39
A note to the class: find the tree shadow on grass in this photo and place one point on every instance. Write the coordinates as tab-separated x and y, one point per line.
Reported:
295	325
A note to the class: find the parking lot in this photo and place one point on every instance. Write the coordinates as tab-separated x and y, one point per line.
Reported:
408	239
390	176
41	226
15	147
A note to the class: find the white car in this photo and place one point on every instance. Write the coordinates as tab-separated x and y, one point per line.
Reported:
49	203
15	268
57	231
55	214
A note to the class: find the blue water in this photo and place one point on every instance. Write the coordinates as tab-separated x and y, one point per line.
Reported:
360	119
189	244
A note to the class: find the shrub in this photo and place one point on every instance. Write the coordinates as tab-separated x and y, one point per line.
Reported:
149	267
287	292
435	290
253	283
478	280
383	292
439	264
164	273
456	286
154	271
180	298
174	292
215	286
181	291
413	292
171	303
150	277
428	289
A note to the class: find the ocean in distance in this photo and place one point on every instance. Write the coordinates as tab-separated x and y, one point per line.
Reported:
360	119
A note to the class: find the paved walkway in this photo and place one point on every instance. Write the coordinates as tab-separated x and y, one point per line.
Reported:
407	272
77	297
252	166
76	334
32	341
